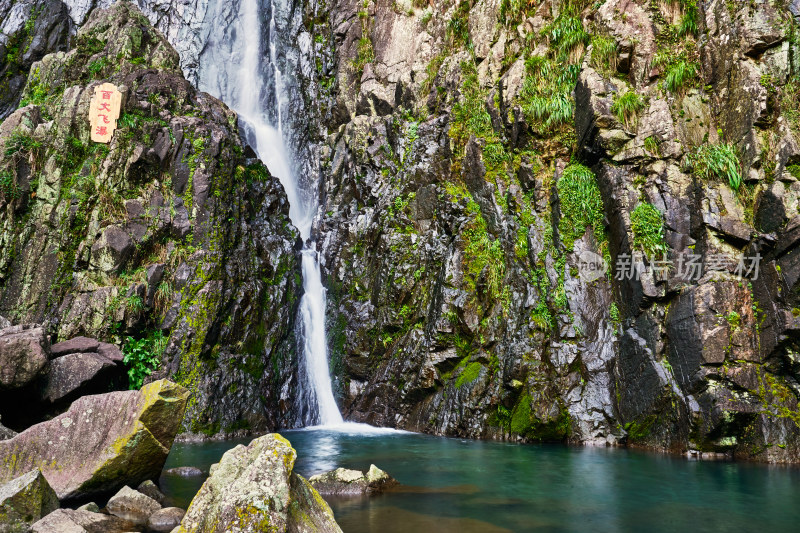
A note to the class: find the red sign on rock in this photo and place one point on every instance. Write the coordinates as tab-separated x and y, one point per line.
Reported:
104	112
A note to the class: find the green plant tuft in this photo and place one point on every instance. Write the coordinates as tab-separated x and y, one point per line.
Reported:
627	108
717	162
647	225
680	75
581	205
143	356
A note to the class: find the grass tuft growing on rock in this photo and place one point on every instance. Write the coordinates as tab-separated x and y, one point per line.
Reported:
647	225
627	108
546	95
680	75
567	36
581	205
604	53
717	162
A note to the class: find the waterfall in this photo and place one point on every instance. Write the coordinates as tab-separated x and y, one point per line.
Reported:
235	68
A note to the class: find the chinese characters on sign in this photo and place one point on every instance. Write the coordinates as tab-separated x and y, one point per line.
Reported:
104	112
688	267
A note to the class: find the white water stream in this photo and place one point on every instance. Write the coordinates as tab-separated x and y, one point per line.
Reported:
239	78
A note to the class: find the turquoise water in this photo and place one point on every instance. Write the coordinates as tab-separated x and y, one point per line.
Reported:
453	485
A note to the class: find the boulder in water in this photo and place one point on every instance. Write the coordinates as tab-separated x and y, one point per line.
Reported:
101	443
25	500
165	520
343	481
254	488
132	506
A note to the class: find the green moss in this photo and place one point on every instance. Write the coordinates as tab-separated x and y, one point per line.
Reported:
639	430
525	423
469	374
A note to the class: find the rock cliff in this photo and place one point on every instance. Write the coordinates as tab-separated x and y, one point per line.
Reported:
482	153
479	161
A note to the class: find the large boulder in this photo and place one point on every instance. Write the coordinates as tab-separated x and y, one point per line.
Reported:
132	505
343	481
76	374
25	500
81	521
253	488
23	355
75	345
102	442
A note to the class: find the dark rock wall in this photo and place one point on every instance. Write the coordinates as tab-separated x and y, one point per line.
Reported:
453	237
169	235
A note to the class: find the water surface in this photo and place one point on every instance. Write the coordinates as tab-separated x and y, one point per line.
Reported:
453	485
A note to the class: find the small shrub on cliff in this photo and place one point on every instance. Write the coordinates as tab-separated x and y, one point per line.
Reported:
8	185
546	95
567	35
627	108
470	116
717	162
647	225
581	205
142	357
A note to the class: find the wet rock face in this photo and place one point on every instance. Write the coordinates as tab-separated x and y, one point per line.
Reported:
29	30
453	249
168	235
125	438
255	488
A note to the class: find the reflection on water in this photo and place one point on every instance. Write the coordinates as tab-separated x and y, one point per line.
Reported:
466	486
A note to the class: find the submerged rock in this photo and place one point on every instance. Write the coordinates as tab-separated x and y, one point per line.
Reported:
80	521
132	506
343	481
102	442
254	488
25	500
184	471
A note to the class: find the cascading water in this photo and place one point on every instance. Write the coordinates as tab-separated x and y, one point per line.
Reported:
234	70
